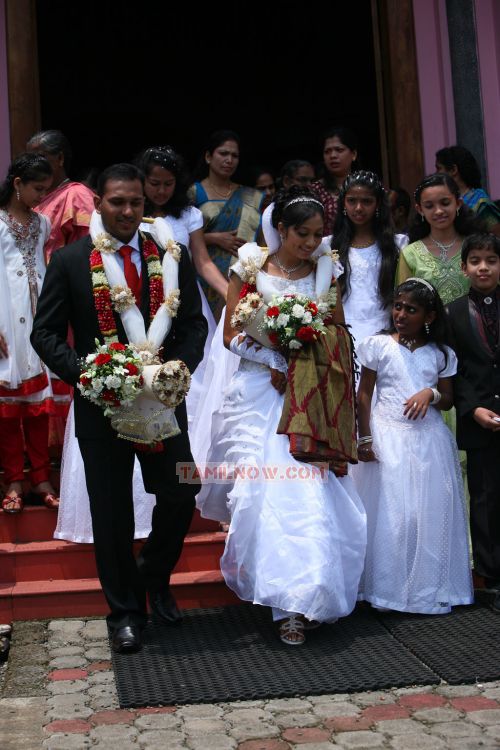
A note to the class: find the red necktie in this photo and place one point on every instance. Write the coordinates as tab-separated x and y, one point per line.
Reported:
132	277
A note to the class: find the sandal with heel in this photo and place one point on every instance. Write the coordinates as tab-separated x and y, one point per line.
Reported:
291	631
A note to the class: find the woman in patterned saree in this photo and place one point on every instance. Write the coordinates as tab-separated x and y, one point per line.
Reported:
231	212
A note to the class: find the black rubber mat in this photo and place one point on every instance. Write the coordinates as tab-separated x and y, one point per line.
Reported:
233	653
461	647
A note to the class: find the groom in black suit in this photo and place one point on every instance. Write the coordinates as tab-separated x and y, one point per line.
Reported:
67	299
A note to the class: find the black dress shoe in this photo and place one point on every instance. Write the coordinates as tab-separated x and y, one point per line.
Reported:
164	606
126	640
491	584
495	604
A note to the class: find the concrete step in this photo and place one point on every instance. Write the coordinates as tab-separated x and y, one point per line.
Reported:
83	597
37	524
60	560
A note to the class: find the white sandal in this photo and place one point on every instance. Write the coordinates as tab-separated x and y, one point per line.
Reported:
311	624
292	626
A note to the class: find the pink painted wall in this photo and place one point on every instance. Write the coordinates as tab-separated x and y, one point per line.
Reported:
488	42
4	98
434	78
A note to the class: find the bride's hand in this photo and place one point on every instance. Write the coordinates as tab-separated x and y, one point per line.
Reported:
278	380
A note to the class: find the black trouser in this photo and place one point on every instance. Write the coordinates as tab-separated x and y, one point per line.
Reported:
109	466
483	476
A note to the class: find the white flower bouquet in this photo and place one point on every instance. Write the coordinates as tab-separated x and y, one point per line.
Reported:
293	320
112	376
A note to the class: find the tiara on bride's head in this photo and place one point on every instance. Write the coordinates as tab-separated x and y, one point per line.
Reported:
304	199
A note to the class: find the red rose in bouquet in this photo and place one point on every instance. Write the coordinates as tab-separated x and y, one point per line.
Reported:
102	359
306	333
273	312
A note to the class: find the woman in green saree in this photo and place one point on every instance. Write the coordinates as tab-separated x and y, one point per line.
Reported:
231	212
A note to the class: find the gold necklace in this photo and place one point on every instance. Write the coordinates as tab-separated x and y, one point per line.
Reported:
217	192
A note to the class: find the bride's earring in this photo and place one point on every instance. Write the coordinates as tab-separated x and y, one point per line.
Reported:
17	195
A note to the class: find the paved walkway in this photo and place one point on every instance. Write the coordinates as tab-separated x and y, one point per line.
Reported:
58	692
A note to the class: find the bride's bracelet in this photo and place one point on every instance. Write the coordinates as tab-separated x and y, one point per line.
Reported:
436	396
365	440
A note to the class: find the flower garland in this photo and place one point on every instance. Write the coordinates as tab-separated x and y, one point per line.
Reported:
107	299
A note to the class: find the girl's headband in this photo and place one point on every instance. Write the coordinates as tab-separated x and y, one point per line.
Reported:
422	281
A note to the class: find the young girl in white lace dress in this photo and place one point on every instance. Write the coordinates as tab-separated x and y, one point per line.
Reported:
417	557
368	249
295	545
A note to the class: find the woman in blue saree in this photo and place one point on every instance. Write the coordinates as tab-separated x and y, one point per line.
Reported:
231	212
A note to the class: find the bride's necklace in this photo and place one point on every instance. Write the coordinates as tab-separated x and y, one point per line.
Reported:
442	247
284	269
217	192
407	342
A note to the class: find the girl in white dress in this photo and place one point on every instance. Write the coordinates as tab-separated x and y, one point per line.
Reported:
417	556
26	388
368	249
295	543
165	187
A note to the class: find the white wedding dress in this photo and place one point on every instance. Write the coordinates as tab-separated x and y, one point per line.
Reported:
296	542
73	521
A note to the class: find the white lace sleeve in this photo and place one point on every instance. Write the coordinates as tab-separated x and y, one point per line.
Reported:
247	348
238	269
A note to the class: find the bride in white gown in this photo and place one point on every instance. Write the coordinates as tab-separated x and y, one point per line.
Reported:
296	543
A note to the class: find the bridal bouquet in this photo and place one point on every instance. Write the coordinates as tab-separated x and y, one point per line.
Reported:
111	377
293	320
249	303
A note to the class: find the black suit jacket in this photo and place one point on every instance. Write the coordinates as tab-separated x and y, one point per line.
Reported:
67	298
477	382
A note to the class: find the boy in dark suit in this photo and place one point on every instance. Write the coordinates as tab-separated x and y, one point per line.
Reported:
475	336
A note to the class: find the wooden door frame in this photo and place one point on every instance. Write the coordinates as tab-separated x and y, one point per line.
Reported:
22	67
401	144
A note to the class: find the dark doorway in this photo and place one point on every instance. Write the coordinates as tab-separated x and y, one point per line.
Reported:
116	77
